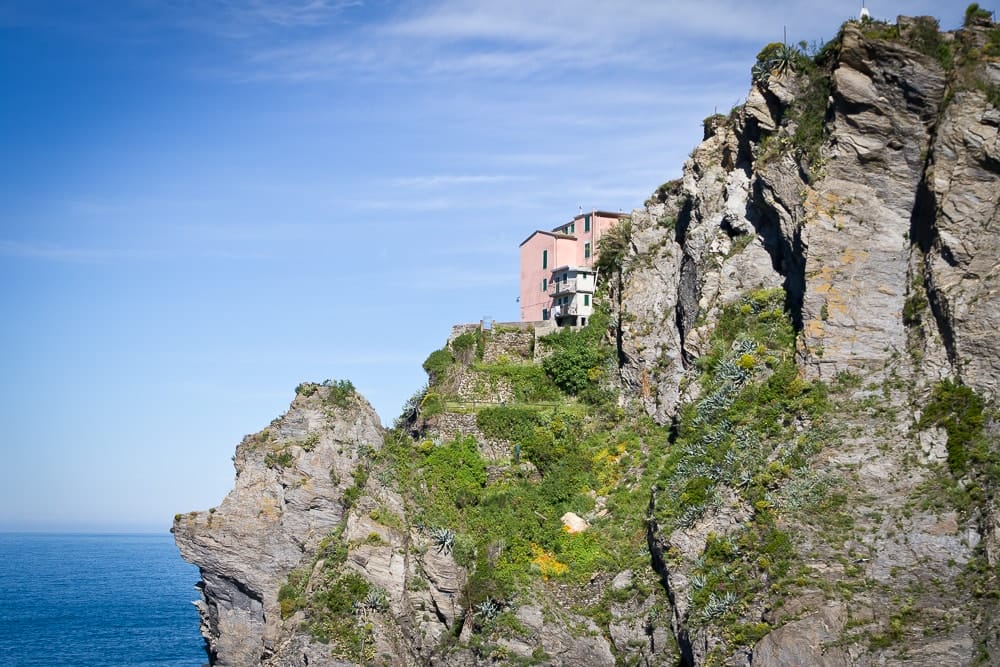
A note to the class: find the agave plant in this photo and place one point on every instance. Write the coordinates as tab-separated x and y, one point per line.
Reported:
719	605
775	59
760	73
488	610
376	600
744	346
444	539
784	59
690	515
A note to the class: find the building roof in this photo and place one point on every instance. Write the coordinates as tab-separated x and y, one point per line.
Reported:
581	216
605	214
555	230
578	269
552	234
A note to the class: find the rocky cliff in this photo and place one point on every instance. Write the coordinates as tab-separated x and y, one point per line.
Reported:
777	444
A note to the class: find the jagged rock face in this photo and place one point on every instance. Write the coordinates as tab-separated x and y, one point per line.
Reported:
963	258
887	248
290	479
691	254
857	218
896	178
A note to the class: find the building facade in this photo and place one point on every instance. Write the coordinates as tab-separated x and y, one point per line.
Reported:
557	270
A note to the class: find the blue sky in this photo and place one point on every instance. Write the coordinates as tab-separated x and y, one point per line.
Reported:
205	202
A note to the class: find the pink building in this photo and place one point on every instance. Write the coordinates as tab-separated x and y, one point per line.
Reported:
557	274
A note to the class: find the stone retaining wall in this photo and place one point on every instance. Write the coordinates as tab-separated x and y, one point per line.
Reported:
451	425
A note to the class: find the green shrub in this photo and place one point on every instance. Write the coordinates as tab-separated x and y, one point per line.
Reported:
353	493
671	188
341	392
569	367
959	411
873	29
309	444
289	600
332	613
281	459
925	37
992	47
712	123
914	307
580	356
437	364
464	344
510	423
809	113
457	474
614	246
432	404
529	381
974	13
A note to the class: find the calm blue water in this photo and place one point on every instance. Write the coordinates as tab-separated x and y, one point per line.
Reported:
88	600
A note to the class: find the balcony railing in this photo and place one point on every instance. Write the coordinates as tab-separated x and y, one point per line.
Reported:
571	285
562	286
568	309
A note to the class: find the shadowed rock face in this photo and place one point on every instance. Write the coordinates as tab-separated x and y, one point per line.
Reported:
887	248
884	239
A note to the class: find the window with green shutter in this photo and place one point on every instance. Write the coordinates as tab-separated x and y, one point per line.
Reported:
586	223
586	299
586	250
545	259
545	284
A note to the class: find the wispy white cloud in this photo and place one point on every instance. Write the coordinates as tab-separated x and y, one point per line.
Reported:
531	159
498	247
419	204
285	13
367	359
237	233
523	38
450	279
242	19
448	180
101	255
74	254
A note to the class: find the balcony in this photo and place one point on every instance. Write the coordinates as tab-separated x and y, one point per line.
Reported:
571	286
557	287
562	311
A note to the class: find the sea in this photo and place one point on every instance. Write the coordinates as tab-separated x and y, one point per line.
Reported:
86	600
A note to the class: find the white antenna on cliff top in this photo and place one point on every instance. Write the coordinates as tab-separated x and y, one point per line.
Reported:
864	12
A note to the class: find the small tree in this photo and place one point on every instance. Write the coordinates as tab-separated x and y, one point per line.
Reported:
974	14
613	247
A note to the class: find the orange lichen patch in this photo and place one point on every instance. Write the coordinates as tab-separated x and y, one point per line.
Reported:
269	508
814	328
836	304
852	255
547	564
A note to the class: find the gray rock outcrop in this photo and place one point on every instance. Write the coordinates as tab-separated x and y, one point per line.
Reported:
290	479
